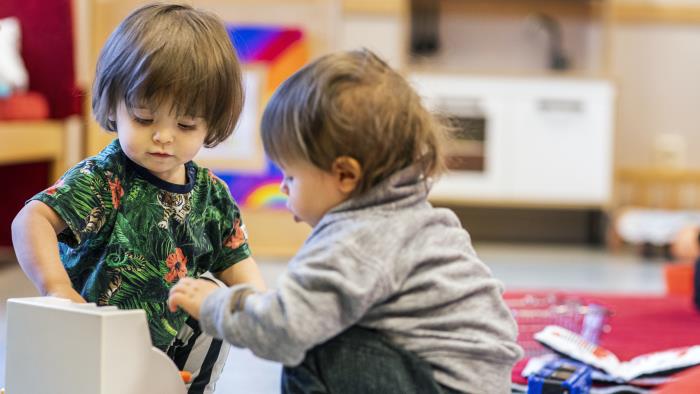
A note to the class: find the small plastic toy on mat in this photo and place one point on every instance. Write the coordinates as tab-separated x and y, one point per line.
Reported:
561	376
535	312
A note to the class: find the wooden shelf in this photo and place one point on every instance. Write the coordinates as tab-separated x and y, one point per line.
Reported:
434	66
384	7
659	188
655	174
30	141
506	203
654	13
582	8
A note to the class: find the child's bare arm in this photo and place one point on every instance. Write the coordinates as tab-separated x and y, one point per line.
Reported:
34	238
245	271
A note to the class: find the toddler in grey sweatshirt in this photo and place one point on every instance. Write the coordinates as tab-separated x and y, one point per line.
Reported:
386	294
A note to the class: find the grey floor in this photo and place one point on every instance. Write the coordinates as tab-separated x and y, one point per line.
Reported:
520	267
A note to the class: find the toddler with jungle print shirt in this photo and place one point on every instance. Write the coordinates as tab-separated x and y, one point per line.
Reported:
139	216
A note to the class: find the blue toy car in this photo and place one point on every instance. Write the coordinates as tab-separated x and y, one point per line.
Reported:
561	376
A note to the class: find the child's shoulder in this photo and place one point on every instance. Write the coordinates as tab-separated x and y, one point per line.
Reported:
213	187
109	162
420	223
206	176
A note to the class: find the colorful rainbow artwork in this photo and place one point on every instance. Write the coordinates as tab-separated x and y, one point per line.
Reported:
281	51
256	191
266	195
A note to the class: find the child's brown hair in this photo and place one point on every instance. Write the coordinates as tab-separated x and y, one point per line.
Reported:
352	104
171	51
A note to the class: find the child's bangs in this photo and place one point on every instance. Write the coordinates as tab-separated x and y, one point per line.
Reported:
281	136
184	96
159	79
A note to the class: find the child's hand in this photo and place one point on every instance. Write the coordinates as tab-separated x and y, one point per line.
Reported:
189	294
67	292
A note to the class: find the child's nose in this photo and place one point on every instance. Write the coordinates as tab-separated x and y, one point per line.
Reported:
283	187
163	135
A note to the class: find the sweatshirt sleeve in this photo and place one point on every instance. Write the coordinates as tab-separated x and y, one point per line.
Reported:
319	297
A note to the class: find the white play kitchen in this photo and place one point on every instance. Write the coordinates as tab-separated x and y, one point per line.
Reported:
522	140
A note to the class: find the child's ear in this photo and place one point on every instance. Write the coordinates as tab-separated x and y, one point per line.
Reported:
111	121
347	173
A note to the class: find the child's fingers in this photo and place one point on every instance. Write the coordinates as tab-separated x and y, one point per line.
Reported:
178	295
179	300
173	302
186	281
181	286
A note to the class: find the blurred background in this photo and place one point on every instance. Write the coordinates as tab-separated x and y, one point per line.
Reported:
566	111
571	164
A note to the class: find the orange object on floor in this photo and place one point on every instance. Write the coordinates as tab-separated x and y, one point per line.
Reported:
686	382
679	278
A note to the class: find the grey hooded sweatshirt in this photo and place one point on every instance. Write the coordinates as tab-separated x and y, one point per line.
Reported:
389	261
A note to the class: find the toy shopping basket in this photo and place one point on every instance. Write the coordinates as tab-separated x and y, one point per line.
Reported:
534	312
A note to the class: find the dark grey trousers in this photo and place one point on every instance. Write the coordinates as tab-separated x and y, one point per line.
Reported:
361	361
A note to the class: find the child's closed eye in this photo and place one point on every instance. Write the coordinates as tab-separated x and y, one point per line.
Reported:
187	126
142	120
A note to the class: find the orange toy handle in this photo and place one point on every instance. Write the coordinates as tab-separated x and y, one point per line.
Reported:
186	376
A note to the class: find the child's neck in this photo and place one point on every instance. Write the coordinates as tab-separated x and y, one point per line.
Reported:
177	177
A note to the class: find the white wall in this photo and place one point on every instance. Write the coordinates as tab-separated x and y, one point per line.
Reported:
657	69
514	44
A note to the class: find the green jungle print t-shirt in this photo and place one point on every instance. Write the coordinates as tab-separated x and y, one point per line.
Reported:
131	236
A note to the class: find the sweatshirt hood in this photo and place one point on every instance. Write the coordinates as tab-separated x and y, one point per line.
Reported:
405	187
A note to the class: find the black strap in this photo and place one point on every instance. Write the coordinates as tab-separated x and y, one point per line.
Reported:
179	353
202	380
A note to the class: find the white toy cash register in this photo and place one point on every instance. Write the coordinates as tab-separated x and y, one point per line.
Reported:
55	346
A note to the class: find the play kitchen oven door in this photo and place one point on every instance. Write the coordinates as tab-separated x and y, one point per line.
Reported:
467	133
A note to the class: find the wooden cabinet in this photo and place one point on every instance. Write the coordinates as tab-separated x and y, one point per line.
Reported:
30	141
